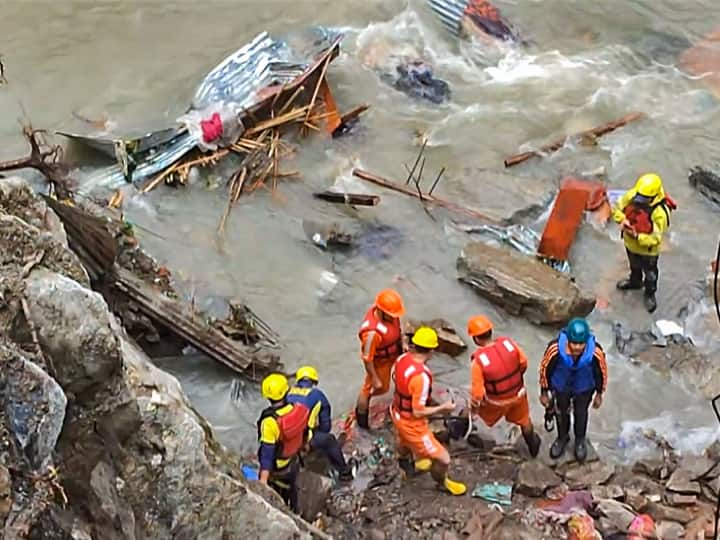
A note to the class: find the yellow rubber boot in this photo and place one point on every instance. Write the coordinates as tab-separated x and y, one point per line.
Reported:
454	488
423	465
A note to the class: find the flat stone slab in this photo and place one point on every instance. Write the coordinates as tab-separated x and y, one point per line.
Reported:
522	285
449	342
534	477
505	198
589	474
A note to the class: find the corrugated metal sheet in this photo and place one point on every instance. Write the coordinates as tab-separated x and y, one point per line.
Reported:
450	13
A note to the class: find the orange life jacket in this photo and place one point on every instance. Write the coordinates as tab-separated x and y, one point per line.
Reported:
640	217
500	363
293	427
391	345
406	368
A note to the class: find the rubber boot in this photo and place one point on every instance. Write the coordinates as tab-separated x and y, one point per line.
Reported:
650	302
348	474
362	418
629	284
558	447
423	465
453	487
533	441
580	450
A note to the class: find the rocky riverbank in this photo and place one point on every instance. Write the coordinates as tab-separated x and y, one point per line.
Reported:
96	442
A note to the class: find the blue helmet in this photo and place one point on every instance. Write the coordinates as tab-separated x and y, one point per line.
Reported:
578	331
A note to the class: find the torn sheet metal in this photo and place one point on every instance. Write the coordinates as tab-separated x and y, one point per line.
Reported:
246	79
562	225
479	18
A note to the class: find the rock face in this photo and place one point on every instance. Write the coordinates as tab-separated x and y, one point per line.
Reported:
534	478
522	285
135	460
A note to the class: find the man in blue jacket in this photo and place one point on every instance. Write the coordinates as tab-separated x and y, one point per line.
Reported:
306	392
575	370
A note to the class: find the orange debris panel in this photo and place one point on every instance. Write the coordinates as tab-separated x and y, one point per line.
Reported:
333	119
575	197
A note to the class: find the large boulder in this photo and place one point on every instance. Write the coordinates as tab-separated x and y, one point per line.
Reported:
522	285
73	325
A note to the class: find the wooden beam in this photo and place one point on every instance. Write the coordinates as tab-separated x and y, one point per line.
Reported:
425	198
598	131
348	198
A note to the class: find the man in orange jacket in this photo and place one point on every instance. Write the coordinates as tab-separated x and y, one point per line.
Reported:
381	342
498	389
411	408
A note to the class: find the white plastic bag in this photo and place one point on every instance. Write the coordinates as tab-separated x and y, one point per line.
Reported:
216	126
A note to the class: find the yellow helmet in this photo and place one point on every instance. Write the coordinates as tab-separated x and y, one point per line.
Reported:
307	372
275	386
649	185
425	337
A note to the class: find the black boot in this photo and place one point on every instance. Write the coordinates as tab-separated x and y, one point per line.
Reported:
558	447
407	466
362	418
580	450
650	302
532	440
629	284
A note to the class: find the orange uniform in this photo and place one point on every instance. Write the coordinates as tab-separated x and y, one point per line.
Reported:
413	387
381	344
498	390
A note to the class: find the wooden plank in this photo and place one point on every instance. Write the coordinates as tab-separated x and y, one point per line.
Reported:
348	198
557	145
426	198
174	315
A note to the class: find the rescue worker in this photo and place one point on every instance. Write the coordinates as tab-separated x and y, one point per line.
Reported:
381	343
574	370
306	392
643	213
498	389
283	432
411	408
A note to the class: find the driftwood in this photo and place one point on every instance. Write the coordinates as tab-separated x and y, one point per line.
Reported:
590	133
175	316
348	198
424	197
46	158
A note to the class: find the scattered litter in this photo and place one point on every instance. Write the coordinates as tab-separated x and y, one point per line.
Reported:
494	493
582	527
250	472
669	328
327	283
641	527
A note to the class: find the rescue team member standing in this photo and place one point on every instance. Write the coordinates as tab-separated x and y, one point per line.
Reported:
644	215
573	368
306	392
498	389
381	344
410	410
282	431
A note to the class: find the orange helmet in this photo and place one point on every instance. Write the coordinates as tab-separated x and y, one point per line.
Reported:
479	325
389	301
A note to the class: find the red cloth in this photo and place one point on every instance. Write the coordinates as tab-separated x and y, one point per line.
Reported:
211	129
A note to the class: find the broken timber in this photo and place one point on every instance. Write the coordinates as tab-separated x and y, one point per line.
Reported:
348	198
424	197
591	133
174	316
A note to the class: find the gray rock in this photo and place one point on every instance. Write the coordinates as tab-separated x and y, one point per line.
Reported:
681	482
5	493
34	405
697	466
655	468
636	500
589	474
660	512
669	530
522	285
18	199
679	499
313	493
74	330
610	491
619	515
534	478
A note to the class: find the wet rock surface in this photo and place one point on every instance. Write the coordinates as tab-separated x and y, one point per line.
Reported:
448	340
522	285
95	442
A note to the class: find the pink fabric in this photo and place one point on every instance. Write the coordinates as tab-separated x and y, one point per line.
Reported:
211	129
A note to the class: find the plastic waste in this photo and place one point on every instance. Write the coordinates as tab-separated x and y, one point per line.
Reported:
250	472
217	125
328	281
641	527
582	527
494	493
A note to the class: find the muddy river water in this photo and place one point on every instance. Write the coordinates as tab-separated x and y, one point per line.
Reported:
585	63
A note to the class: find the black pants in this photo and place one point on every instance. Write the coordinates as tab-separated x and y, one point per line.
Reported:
581	404
328	445
644	265
284	482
